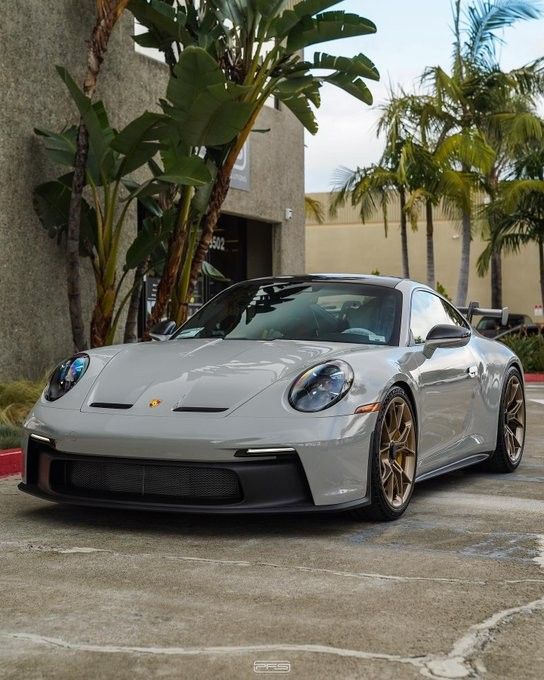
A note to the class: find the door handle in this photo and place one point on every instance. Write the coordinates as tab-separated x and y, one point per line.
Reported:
472	372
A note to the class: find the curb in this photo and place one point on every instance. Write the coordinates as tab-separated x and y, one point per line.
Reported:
534	377
10	462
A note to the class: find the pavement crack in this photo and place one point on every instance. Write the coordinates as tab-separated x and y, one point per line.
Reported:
539	559
372	576
460	662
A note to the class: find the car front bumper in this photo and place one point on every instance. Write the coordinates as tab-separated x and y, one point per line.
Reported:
326	469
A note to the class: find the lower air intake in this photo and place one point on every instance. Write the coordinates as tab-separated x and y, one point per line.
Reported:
182	483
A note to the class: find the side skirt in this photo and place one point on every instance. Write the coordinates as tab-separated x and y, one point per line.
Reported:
458	465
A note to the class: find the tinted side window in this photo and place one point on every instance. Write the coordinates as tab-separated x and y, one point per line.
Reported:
429	310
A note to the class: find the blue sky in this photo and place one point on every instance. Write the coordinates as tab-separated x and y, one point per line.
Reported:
411	34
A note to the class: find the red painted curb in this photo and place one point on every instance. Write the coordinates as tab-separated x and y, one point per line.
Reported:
11	462
534	377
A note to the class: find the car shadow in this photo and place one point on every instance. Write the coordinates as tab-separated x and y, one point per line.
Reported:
225	526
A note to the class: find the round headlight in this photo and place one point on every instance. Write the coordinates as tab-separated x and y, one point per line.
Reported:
321	387
65	376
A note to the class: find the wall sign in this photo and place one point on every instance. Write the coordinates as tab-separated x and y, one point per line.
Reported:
240	174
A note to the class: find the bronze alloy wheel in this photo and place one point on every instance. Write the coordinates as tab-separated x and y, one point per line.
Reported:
514	418
397	452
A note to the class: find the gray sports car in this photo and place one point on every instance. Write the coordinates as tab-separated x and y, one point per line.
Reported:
287	394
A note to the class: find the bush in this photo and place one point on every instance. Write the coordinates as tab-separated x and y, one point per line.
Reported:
530	350
10	437
16	400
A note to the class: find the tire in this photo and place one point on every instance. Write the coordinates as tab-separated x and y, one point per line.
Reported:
390	494
510	438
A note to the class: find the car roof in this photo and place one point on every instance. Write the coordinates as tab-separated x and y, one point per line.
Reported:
369	279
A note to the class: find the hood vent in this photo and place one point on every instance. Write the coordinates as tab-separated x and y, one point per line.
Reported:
104	404
199	409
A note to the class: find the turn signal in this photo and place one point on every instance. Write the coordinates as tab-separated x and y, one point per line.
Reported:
368	408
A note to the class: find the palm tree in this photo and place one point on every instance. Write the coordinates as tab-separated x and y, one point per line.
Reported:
518	212
108	13
372	188
466	98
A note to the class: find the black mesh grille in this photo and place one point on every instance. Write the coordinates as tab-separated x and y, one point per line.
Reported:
184	483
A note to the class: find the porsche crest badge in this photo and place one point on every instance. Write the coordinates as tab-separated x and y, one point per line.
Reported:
154	403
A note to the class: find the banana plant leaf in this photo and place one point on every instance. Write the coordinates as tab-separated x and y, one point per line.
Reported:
51	201
212	273
151	238
203	103
61	147
101	135
326	27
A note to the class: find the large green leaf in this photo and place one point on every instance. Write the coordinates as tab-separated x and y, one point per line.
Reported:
300	107
353	85
149	203
302	85
291	17
134	142
213	273
206	107
269	8
165	24
327	26
96	121
61	148
189	171
359	65
150	239
51	201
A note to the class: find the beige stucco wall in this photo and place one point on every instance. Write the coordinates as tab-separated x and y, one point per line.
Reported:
346	245
37	35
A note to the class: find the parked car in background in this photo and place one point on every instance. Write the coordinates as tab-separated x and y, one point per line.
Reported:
490	326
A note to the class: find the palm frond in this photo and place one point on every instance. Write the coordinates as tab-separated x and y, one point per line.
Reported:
485	19
468	148
313	210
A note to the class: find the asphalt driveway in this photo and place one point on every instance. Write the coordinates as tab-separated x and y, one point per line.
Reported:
454	589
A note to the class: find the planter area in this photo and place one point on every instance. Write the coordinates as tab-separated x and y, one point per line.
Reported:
534	377
10	462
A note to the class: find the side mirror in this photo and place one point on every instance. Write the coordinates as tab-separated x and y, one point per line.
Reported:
163	330
445	335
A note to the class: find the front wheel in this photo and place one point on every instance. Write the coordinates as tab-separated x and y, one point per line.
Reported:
394	459
511	431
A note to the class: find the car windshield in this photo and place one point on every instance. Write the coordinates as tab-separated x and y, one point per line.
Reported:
305	310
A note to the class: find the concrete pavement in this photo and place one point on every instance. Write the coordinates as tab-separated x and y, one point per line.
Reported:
454	589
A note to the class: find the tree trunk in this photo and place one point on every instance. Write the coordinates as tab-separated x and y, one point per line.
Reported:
176	246
131	324
496	280
102	317
541	268
217	198
430	245
404	235
73	278
95	56
464	269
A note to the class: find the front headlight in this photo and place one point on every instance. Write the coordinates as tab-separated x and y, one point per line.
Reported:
65	376
321	387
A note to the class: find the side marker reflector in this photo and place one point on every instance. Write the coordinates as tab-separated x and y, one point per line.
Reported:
368	408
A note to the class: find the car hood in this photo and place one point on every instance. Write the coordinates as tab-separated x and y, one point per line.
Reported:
155	378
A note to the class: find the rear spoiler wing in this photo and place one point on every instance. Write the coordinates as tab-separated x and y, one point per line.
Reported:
474	309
